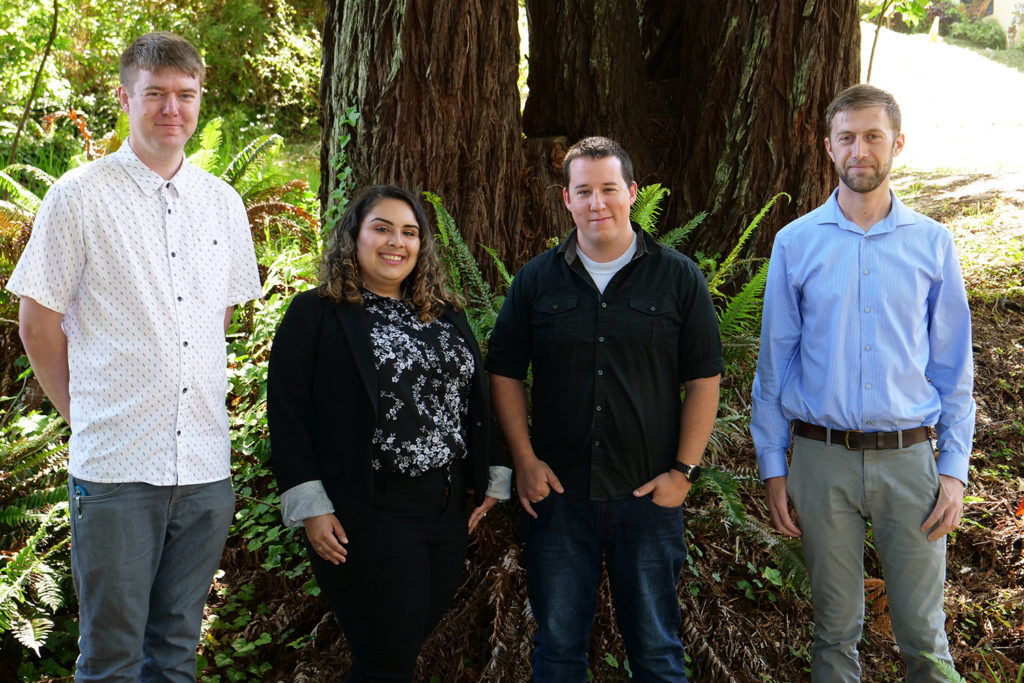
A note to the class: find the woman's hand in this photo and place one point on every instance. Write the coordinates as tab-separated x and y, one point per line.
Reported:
480	512
326	535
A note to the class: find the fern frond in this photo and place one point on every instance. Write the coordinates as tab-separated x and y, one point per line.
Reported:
208	156
506	277
19	195
742	313
32	633
675	237
647	207
788	554
725	267
461	267
212	134
27	459
255	150
725	486
36	175
29	507
47	589
947	671
271	209
16	213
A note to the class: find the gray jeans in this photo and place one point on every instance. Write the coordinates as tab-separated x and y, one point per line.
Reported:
835	490
142	558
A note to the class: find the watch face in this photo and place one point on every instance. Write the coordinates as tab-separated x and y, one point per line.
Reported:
691	472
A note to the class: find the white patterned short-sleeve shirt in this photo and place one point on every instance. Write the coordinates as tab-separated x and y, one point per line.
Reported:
143	269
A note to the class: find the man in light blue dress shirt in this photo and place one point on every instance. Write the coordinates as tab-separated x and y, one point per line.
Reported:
865	350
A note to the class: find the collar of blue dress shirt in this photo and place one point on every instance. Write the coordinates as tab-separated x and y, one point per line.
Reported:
899	215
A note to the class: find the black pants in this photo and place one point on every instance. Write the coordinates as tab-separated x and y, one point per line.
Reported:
403	567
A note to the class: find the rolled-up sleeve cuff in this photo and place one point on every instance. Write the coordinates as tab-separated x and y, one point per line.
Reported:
499	484
308	499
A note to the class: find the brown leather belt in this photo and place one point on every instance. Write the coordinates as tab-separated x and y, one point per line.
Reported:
861	441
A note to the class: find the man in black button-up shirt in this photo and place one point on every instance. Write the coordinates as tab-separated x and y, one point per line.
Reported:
614	325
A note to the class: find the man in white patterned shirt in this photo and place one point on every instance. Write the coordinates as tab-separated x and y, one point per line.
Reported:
127	286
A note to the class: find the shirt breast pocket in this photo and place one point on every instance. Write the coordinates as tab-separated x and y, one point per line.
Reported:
553	319
653	320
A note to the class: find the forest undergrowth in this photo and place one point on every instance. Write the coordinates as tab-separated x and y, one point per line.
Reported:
745	618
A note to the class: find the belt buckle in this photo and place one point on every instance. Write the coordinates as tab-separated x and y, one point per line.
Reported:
846	439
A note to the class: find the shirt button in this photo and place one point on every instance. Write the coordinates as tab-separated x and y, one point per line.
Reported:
867	310
598	408
868	347
168	210
185	390
184	343
653	309
597	443
604	304
600	339
554	307
179	432
868	422
173	254
600	373
867	386
180	299
866	271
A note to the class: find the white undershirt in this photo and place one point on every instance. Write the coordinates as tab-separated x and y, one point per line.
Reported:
602	273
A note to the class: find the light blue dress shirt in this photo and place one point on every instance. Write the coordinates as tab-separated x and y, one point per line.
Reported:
865	331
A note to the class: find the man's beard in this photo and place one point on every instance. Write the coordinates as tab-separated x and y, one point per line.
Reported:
863	182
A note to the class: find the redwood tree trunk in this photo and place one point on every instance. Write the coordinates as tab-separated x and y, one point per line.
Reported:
723	102
435	85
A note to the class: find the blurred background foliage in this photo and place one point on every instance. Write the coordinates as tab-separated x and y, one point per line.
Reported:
262	57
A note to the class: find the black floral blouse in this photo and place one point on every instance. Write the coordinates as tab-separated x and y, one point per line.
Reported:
424	372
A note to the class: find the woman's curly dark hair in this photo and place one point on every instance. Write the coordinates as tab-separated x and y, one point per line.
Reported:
340	280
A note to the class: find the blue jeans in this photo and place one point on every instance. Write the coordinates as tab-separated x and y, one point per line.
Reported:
644	550
835	490
142	558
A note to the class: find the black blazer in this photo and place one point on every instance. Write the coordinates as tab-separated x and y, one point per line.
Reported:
322	404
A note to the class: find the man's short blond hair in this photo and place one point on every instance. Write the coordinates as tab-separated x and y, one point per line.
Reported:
160	50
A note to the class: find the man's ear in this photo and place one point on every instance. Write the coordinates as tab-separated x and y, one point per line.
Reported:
632	192
897	145
122	97
828	149
565	198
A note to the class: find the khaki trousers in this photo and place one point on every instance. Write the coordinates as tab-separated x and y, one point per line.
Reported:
835	490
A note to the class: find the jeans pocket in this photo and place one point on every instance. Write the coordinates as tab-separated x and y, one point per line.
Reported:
83	493
650	497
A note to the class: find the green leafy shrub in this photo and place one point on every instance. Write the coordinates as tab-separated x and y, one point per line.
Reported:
987	34
947	11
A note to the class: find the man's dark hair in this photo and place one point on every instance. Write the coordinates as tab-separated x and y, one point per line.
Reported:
862	96
160	50
598	148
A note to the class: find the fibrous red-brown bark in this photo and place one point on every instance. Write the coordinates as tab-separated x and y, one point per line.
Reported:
435	86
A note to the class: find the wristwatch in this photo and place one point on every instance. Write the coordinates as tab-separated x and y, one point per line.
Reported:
691	472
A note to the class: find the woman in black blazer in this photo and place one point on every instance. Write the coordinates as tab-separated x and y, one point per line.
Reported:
379	424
